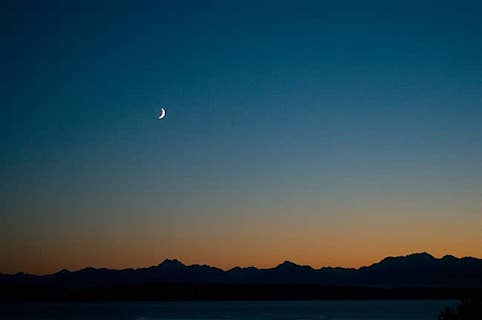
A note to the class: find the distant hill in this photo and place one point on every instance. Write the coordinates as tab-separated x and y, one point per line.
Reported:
415	270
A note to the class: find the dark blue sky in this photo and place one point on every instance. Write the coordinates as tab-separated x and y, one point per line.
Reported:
287	122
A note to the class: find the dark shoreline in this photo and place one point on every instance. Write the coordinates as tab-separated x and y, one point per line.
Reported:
229	292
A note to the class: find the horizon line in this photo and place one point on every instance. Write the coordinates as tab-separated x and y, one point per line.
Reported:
175	260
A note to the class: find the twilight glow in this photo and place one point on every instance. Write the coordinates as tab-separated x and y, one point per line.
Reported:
323	134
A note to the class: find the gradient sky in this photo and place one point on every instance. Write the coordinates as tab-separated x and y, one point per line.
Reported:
325	134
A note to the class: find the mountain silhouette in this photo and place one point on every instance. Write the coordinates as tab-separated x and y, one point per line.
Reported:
414	270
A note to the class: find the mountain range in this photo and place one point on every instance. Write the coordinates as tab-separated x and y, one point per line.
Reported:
414	270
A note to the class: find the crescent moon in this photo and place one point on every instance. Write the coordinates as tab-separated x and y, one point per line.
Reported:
163	114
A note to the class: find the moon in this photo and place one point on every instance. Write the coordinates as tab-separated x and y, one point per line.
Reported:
163	114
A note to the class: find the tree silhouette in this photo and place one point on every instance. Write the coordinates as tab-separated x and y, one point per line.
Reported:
467	309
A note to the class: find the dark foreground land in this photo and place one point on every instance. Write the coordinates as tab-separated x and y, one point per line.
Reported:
231	292
234	310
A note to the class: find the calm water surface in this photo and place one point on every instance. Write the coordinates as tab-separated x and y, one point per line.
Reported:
334	310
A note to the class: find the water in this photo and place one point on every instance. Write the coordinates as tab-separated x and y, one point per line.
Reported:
333	310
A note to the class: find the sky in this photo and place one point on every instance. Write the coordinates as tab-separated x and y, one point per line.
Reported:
324	133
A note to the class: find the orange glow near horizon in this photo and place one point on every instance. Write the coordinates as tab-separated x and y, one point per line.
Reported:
355	244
